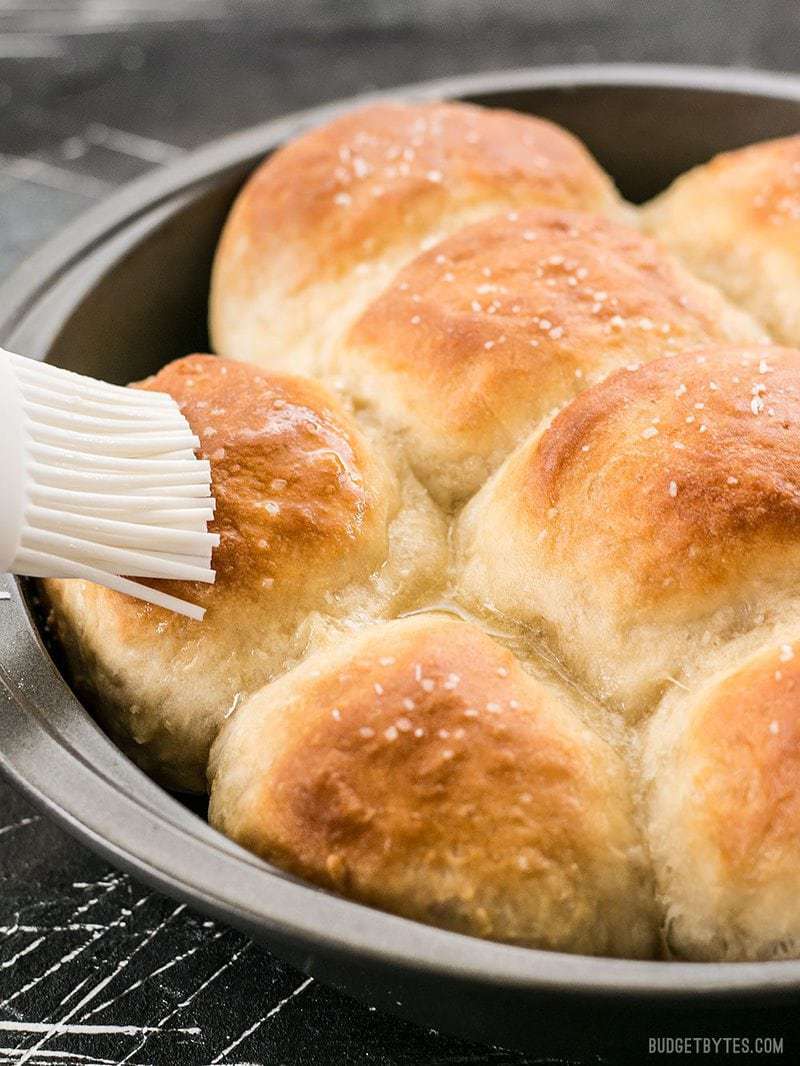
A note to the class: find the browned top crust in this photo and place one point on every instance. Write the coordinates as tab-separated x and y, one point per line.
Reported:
325	221
480	337
419	768
291	475
723	766
305	513
349	187
692	462
735	221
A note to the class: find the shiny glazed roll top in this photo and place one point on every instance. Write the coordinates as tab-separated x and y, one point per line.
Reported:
418	767
479	338
736	222
722	766
315	528
323	224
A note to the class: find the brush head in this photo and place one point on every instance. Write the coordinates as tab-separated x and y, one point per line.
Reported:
100	481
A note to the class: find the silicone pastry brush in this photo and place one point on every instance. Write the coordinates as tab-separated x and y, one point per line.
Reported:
98	481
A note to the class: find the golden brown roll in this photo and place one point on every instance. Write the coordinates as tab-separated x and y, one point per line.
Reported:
325	222
480	337
736	222
419	768
316	531
723	766
658	515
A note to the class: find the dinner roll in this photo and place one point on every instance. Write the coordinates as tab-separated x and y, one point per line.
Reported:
326	221
736	222
723	766
315	530
419	768
656	516
479	337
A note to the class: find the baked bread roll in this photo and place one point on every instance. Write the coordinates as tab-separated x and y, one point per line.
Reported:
316	531
736	222
324	224
657	516
723	765
419	768
477	339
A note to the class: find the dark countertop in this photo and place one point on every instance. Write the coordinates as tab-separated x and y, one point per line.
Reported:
95	968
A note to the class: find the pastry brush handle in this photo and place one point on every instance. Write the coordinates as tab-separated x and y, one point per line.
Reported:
12	463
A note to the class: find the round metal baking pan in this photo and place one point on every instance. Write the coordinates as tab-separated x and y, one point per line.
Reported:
124	290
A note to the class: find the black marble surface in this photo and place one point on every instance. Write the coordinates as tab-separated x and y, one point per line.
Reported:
95	968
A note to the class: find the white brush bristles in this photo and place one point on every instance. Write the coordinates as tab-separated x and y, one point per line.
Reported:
99	481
